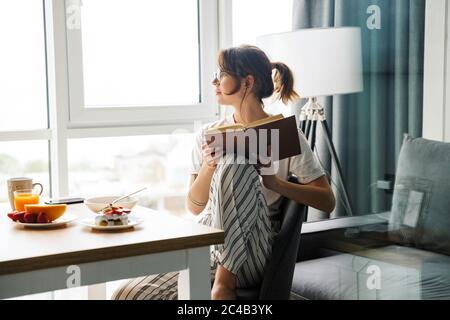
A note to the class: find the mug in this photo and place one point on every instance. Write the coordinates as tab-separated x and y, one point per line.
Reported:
20	183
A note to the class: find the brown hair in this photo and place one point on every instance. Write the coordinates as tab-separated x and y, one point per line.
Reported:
245	60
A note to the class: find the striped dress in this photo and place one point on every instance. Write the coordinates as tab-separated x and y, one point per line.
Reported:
236	205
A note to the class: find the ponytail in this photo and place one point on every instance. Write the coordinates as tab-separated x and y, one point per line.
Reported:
284	83
239	62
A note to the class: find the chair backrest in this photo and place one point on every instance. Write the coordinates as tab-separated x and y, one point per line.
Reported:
279	271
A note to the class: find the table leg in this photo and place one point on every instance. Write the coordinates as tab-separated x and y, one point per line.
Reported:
194	283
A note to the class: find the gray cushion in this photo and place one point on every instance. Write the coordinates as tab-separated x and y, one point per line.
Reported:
408	274
420	214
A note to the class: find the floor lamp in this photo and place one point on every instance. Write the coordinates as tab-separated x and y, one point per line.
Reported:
325	62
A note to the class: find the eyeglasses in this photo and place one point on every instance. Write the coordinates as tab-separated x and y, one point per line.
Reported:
218	75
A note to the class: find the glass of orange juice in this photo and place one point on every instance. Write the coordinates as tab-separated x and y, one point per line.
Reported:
25	196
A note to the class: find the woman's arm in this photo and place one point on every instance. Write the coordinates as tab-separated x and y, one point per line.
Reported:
199	185
317	194
199	189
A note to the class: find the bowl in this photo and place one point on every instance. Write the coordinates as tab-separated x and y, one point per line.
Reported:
96	204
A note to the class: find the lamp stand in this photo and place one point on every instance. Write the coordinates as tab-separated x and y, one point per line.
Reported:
310	114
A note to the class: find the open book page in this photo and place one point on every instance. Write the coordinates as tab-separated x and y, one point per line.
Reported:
239	126
231	127
264	121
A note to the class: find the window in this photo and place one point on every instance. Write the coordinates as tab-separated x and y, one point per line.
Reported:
129	61
23	99
24	158
119	165
267	16
24	130
126	64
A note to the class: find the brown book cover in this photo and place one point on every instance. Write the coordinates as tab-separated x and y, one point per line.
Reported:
280	134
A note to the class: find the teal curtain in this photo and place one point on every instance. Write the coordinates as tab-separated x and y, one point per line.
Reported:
368	127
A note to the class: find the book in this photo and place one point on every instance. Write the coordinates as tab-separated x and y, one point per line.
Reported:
275	133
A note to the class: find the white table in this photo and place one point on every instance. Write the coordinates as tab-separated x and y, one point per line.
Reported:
40	260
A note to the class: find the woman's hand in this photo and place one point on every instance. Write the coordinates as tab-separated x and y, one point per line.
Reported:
211	156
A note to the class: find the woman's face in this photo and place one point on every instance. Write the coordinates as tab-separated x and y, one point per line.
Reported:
225	83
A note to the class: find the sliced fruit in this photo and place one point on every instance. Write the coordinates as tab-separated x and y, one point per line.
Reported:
14	215
52	212
43	218
115	210
109	213
30	217
19	216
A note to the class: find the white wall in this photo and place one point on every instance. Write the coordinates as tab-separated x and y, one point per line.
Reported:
436	114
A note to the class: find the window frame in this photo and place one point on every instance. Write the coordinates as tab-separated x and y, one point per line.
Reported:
206	110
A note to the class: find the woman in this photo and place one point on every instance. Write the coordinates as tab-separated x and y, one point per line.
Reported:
236	197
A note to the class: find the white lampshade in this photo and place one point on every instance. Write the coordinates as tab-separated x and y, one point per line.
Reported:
325	61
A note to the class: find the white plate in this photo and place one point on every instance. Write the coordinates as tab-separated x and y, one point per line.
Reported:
66	218
132	221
